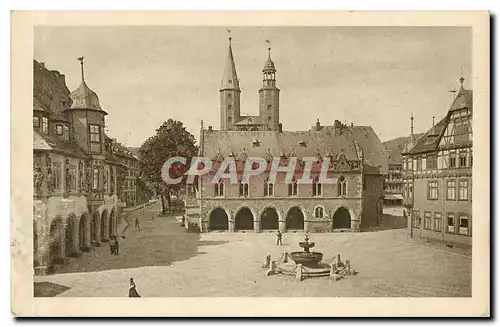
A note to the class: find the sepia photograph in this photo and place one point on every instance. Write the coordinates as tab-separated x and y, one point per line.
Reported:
244	159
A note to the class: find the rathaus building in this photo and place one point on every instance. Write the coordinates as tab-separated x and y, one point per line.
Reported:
352	203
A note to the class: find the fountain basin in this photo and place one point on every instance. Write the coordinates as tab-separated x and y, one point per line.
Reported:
308	259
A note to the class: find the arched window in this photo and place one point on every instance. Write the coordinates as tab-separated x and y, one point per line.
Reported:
317	188
254	129
318	212
219	188
268	188
293	188
342	186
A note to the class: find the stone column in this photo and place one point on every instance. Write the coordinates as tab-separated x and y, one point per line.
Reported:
97	228
61	249
115	180
64	189
76	238
256	226
306	225
87	241
355	225
282	226
43	242
231	225
105	234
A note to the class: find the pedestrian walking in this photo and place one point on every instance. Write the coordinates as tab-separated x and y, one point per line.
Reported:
132	292
137	223
116	246
279	238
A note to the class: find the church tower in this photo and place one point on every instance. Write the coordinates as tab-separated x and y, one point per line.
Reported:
269	110
229	94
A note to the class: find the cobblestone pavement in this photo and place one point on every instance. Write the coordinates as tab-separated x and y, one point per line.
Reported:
229	264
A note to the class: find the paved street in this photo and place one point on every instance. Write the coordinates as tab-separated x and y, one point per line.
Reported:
165	260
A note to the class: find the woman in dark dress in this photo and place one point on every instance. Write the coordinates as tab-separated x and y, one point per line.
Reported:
132	292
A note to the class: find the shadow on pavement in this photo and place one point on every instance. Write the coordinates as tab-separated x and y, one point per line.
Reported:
203	243
47	289
159	242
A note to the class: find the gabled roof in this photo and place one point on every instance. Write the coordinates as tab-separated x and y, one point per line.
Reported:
257	144
250	120
430	140
374	151
462	100
52	143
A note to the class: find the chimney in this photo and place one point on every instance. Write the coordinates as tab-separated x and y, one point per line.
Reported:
337	127
280	127
318	125
209	128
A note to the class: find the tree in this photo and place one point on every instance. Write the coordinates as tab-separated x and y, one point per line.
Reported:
171	140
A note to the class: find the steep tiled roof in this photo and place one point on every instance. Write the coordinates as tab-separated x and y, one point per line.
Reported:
374	151
300	144
47	142
430	140
462	100
84	98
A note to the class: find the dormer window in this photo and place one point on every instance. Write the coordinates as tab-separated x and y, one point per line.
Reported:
302	143
95	133
36	121
45	125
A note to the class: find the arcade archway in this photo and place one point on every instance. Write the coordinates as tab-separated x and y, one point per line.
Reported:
218	220
295	219
342	219
243	219
269	219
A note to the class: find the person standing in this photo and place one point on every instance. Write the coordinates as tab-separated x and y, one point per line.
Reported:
279	237
137	223
116	246
112	245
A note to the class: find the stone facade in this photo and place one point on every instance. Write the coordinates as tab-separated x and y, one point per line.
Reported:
75	172
351	201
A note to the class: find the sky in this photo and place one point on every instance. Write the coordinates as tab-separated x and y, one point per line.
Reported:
374	76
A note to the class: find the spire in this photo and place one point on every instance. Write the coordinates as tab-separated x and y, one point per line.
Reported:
462	79
80	59
412	118
229	76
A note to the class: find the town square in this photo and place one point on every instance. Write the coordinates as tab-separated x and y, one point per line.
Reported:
362	186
